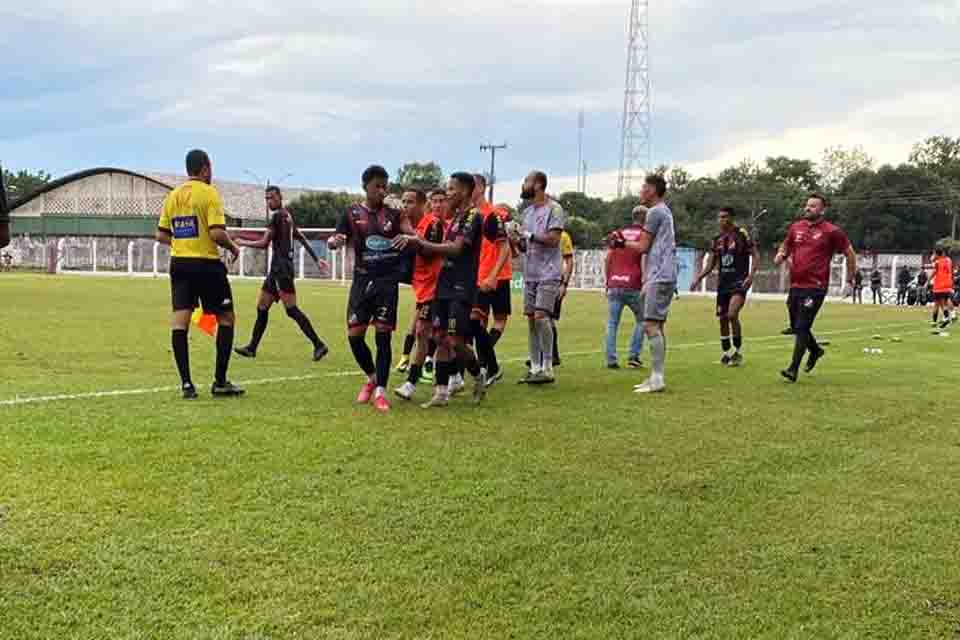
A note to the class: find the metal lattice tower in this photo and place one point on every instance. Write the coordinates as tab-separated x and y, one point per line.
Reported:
635	150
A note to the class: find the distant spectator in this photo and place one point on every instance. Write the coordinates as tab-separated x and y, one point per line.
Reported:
876	284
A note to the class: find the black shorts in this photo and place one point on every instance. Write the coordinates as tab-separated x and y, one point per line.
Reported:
425	312
498	301
279	281
942	296
451	318
373	301
725	296
199	281
804	305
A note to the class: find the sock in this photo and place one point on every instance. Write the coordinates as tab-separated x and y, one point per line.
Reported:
416	370
485	351
556	343
725	343
224	349
304	323
936	314
533	339
431	348
799	348
408	344
443	374
545	332
181	354
259	328
737	342
361	353
658	353
384	358
812	345
470	362
495	335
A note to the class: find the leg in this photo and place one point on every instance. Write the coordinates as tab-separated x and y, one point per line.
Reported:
615	304
264	301
636	303
533	336
225	321
179	325
298	316
733	315
544	313
384	340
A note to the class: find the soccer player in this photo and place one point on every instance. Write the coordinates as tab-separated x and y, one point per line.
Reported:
734	252
193	225
4	215
457	284
493	280
567	255
279	285
426	272
624	269
412	203
371	227
543	224
942	286
811	243
659	243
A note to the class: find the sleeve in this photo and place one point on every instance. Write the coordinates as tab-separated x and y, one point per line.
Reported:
343	224
558	218
165	221
840	241
494	229
655	218
473	230
566	245
273	224
747	240
215	215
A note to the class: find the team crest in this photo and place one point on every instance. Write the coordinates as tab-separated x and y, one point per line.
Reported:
808	303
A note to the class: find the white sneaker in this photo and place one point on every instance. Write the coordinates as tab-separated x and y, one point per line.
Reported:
653	385
439	399
456	385
406	391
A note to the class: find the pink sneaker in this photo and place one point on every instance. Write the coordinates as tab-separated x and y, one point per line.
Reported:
366	392
381	404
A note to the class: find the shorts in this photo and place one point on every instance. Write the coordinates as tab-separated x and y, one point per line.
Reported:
373	301
424	313
497	301
199	281
540	296
804	305
279	281
724	298
657	299
451	318
942	296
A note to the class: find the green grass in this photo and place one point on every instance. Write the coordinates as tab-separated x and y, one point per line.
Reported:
733	506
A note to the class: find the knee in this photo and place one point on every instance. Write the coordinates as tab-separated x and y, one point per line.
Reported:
226	319
383	339
293	311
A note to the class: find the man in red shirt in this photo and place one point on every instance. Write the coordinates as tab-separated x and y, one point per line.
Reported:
624	268
942	286
811	244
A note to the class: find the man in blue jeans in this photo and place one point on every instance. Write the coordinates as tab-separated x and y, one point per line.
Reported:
625	289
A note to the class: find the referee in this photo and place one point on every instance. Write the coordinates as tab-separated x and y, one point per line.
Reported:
193	225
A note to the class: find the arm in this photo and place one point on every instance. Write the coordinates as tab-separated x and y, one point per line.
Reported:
705	271
306	244
262	243
851	263
220	236
754	266
566	276
4	233
164	236
343	233
783	252
503	254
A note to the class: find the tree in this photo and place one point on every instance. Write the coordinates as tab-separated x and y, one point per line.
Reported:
321	209
424	176
936	153
22	183
838	163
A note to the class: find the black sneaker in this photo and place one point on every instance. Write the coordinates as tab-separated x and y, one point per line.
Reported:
725	360
787	332
789	375
189	392
613	365
635	362
320	352
526	379
736	359
246	352
494	378
556	361
226	390
813	358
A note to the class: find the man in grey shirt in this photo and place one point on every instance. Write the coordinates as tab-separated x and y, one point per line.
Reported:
660	277
543	223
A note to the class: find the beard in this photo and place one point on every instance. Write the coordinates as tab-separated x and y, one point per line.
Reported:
527	194
812	217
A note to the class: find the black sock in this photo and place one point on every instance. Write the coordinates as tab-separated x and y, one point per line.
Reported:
181	353
799	348
361	353
495	335
556	343
470	362
737	342
304	323
408	342
431	348
812	345
416	370
936	314
725	344
442	378
259	328
384	357
485	352
224	349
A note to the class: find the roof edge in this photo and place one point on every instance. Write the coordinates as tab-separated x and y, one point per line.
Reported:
16	203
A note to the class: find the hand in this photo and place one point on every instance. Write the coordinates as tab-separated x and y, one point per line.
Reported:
234	253
695	285
563	291
779	258
400	243
336	241
489	285
321	264
748	283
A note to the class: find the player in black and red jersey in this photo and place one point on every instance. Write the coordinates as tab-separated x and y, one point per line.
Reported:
736	255
371	227
4	215
282	231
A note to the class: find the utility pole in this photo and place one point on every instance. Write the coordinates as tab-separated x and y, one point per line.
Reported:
635	151
492	148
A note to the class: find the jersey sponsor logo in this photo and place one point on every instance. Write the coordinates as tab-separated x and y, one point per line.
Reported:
727	260
378	243
808	303
186	227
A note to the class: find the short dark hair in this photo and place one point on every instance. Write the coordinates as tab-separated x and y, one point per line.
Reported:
420	193
480	178
197	159
374	172
658	182
939	251
541	177
819	196
729	211
464	179
439	191
272	188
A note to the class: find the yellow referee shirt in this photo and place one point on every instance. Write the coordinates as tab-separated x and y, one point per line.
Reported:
566	245
189	213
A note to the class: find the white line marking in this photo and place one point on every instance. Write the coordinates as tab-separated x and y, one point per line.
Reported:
95	395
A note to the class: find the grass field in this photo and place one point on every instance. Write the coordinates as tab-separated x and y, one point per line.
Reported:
733	506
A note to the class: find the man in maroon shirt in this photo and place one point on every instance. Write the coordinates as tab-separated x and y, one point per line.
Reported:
624	268
811	244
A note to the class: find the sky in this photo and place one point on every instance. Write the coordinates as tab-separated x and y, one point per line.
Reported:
320	90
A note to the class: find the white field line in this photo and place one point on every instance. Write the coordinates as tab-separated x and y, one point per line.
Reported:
115	393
